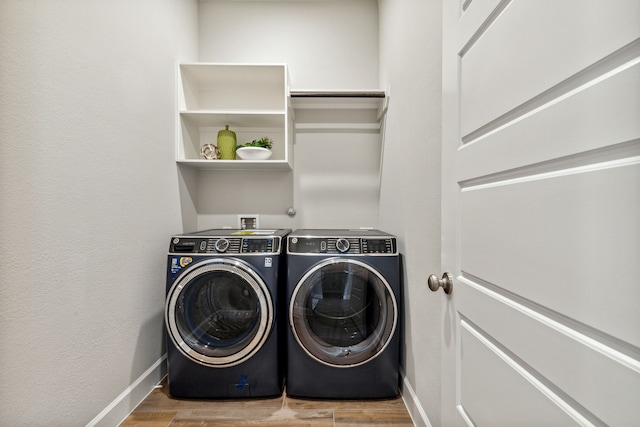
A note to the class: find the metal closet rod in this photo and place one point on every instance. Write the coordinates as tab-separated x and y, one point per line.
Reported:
337	94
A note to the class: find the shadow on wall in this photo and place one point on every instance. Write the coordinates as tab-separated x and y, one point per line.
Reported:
151	340
188	185
403	315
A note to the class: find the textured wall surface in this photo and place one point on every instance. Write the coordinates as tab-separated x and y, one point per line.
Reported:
88	198
410	63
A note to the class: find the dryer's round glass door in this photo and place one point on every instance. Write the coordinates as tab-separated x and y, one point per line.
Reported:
343	313
219	312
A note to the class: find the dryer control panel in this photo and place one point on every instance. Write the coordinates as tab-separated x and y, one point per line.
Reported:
343	245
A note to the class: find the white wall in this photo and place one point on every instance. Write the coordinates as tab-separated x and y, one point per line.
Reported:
410	63
88	199
327	44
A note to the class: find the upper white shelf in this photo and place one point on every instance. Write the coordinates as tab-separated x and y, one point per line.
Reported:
339	99
235	119
339	109
227	87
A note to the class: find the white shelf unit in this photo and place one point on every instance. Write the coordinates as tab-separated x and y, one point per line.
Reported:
253	99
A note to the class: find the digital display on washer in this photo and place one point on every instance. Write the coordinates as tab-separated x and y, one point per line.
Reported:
308	245
182	246
377	246
257	245
311	245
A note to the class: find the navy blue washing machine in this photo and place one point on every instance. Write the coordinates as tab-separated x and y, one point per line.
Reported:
343	295
221	313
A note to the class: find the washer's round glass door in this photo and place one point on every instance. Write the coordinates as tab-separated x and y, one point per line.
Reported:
343	313
219	313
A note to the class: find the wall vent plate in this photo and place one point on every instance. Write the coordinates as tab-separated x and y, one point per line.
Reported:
248	222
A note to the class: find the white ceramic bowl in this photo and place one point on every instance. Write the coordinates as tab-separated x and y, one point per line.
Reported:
253	153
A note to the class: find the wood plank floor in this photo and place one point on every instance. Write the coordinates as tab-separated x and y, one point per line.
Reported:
160	410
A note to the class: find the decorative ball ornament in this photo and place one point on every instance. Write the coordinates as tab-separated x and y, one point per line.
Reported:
210	152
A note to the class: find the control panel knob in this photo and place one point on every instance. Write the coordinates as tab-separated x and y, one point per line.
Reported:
222	245
342	245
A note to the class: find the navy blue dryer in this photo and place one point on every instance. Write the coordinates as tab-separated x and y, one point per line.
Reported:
343	293
220	313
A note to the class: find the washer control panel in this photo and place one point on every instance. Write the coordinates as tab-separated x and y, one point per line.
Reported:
343	245
225	245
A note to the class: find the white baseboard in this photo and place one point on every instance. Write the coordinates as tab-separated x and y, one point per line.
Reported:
131	397
416	411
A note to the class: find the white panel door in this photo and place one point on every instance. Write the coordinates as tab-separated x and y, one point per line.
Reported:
541	213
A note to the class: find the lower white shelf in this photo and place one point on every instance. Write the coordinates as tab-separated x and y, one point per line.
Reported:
236	164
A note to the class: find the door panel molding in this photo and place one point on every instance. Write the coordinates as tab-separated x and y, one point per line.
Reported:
556	51
545	136
570	361
535	249
520	393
